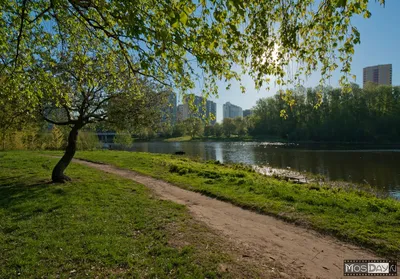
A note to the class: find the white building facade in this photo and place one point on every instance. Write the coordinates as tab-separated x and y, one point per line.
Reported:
232	111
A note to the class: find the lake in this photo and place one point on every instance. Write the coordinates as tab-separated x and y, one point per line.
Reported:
378	167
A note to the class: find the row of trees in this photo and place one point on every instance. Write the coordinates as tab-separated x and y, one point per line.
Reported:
371	114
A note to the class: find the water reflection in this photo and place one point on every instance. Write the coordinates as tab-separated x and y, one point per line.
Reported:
377	167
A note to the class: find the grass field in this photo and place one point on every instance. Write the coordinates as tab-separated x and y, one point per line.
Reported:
99	226
351	215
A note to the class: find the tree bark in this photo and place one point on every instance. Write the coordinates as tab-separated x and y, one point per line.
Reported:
58	171
3	138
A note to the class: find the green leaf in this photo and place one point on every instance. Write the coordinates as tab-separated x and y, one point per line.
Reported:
179	40
175	24
183	18
341	3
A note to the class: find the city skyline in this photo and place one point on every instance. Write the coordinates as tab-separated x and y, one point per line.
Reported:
182	109
207	108
380	74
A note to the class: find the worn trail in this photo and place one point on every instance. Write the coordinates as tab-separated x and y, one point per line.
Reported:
303	252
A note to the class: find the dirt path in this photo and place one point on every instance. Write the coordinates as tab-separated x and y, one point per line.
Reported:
300	251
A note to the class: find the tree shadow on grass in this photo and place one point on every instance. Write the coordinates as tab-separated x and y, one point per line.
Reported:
24	198
13	192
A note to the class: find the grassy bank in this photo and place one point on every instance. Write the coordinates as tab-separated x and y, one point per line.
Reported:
219	139
184	138
98	226
351	215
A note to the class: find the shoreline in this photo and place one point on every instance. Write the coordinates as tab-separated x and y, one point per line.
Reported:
309	178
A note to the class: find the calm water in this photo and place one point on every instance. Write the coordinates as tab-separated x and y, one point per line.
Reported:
380	168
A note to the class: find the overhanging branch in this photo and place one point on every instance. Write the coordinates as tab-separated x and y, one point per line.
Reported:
21	29
70	122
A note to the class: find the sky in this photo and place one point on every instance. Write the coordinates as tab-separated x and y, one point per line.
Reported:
380	44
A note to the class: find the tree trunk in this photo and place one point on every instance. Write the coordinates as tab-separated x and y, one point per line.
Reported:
58	171
3	138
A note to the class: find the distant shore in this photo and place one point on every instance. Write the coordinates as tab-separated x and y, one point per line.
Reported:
311	144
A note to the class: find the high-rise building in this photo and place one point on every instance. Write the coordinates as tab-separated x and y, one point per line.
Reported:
201	110
379	74
169	111
211	109
231	111
247	112
179	113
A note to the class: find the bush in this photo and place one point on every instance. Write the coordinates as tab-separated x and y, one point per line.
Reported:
88	141
173	168
123	138
32	138
14	141
27	138
55	140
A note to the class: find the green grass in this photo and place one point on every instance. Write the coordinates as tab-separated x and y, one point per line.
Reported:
98	226
349	214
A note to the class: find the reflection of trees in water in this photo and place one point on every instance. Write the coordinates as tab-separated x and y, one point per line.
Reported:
219	152
195	150
377	168
237	152
273	156
211	152
141	146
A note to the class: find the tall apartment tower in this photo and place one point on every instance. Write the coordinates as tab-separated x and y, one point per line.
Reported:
169	110
179	113
247	112
202	110
379	74
211	109
232	111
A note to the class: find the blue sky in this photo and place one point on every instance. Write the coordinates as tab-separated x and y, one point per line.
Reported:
380	44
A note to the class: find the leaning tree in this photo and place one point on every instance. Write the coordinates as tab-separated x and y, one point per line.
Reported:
173	42
85	82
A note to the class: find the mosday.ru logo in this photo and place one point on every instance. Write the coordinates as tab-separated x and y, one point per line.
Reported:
369	268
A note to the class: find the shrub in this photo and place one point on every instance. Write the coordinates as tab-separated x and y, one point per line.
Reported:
88	141
173	168
55	140
22	140
209	174
123	138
